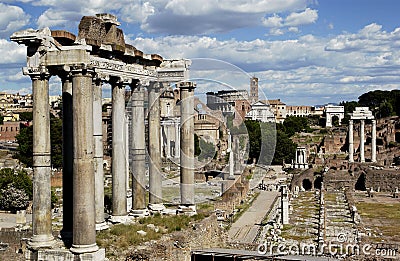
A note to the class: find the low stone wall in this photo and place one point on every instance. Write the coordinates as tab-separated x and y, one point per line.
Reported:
178	245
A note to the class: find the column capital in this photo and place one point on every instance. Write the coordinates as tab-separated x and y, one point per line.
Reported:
190	86
82	69
37	73
153	86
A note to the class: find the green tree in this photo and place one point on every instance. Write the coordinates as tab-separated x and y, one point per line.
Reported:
25	143
13	198
285	148
26	116
19	179
294	124
349	107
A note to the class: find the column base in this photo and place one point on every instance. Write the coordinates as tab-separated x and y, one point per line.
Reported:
139	213
189	210
65	255
101	226
84	249
41	241
120	219
156	208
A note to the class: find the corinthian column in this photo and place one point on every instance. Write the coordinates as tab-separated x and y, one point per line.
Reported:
155	186
84	221
187	143
362	157
119	200
373	144
138	148
351	142
41	209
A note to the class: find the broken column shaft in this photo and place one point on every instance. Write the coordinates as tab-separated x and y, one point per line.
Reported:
187	142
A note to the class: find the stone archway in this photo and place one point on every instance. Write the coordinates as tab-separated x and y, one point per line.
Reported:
318	182
335	120
360	184
307	184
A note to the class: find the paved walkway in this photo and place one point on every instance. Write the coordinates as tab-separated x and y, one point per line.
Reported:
245	229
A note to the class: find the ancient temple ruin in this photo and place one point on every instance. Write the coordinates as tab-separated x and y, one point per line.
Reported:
98	55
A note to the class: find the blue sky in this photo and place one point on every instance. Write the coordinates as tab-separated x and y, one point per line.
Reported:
304	52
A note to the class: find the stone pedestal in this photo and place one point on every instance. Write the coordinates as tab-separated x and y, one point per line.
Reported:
65	255
187	143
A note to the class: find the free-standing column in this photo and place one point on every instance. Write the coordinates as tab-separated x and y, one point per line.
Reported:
187	142
373	144
68	159
177	140
84	222
231	161
119	201
41	210
155	186
138	148
351	142
98	155
362	157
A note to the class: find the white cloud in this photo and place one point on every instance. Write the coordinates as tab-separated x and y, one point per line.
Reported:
12	18
307	17
304	69
15	53
170	17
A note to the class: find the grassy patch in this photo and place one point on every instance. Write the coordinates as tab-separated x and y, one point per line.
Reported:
126	235
383	218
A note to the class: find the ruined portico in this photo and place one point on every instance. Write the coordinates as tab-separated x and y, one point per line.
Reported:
99	52
362	114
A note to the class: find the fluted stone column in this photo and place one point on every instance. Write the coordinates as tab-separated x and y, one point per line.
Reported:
187	143
177	141
231	161
373	144
119	200
68	159
351	142
84	222
362	127
98	154
41	209
155	184
138	149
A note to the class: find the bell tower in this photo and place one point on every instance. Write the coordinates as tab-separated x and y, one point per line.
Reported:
253	90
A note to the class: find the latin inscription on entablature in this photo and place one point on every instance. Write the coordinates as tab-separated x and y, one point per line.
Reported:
113	66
